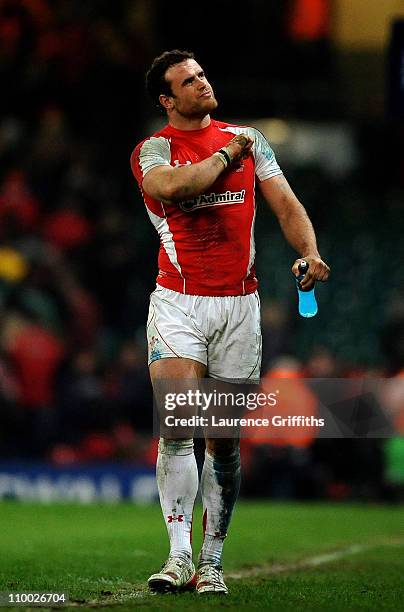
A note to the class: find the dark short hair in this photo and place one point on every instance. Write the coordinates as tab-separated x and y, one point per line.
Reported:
156	83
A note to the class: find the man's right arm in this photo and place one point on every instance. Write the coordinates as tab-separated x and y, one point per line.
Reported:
170	184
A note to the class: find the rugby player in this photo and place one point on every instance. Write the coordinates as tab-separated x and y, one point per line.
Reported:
198	178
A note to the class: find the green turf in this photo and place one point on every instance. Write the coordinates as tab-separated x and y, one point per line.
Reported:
104	554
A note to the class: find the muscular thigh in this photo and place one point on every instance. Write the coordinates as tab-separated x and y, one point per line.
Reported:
175	375
176	368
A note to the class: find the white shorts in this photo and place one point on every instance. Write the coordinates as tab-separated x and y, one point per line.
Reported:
223	333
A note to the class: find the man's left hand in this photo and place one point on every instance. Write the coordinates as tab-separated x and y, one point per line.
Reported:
318	271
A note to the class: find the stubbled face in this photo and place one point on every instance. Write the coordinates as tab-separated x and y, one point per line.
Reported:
192	94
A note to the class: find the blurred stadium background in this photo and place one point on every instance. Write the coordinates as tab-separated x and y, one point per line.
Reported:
323	79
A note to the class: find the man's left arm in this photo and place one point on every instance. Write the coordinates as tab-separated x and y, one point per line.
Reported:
296	227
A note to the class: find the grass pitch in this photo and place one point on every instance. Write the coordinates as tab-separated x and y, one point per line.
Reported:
277	556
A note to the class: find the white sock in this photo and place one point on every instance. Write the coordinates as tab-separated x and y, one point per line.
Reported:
220	485
177	482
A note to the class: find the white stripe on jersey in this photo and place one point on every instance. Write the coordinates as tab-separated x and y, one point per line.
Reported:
166	237
154	152
252	245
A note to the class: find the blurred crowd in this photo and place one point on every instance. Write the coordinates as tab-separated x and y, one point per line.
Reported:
74	275
77	262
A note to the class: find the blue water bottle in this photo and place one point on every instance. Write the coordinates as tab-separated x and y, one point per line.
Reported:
307	299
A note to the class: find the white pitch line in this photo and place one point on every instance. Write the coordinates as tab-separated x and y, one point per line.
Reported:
278	568
268	569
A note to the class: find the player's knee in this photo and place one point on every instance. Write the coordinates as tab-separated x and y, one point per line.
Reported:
223	447
176	447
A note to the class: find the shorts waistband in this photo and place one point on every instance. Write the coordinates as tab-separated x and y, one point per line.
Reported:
187	287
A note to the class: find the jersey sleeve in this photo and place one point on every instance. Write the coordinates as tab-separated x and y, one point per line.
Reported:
149	154
266	165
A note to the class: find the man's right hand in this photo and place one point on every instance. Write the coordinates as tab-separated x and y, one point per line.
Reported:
239	147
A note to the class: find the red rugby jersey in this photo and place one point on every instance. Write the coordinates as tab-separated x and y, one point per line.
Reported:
207	242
